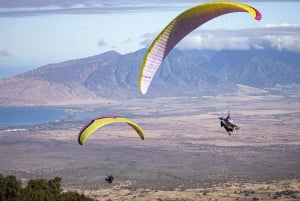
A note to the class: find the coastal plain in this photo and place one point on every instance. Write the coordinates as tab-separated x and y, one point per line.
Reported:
185	155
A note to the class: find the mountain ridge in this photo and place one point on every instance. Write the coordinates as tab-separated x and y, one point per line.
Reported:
113	76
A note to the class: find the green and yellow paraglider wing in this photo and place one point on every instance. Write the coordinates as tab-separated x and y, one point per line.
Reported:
99	122
178	28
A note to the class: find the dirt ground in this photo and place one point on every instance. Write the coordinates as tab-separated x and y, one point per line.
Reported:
186	155
275	190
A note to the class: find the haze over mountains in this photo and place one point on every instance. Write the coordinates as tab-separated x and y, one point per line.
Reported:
184	72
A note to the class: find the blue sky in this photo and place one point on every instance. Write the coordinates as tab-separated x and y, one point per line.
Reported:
35	32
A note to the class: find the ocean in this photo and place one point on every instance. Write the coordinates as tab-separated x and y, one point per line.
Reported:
18	116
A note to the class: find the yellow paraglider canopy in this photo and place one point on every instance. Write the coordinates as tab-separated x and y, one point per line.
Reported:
99	122
178	28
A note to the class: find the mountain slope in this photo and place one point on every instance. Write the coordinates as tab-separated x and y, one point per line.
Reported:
114	76
257	68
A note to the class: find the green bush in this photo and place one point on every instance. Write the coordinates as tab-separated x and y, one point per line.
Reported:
10	188
36	190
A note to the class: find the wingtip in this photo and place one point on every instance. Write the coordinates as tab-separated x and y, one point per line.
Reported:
143	92
258	15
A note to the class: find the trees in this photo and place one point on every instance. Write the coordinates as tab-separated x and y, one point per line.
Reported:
36	190
10	188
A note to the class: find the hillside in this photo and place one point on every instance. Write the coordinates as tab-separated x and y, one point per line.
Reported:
184	72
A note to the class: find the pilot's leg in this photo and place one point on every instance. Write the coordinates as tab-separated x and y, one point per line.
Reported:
235	126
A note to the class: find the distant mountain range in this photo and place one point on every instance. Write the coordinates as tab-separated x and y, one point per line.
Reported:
184	72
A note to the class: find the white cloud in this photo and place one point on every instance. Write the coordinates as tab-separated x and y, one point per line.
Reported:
128	40
4	53
271	25
101	42
17	8
280	37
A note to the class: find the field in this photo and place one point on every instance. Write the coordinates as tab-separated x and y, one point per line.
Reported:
185	154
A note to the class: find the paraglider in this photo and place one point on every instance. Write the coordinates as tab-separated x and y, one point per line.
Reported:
178	28
99	122
228	124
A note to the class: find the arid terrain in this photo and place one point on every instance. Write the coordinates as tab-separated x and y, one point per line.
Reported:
185	155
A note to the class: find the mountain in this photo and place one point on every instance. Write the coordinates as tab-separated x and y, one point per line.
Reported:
257	68
184	72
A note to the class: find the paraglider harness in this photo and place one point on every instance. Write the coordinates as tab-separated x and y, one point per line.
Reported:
109	179
229	126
